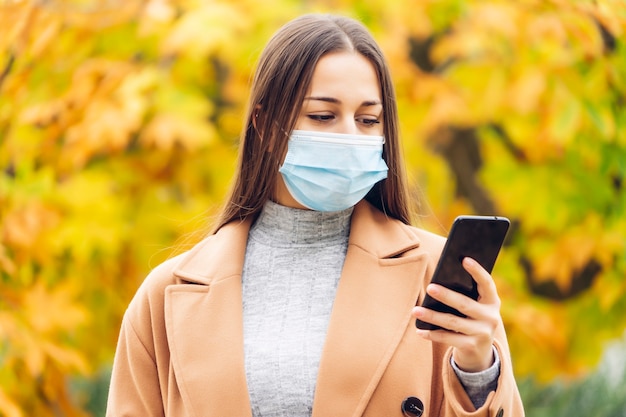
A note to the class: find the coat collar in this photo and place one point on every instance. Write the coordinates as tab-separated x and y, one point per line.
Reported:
217	257
379	235
370	230
379	284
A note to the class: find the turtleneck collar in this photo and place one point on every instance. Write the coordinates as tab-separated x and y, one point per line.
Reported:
279	225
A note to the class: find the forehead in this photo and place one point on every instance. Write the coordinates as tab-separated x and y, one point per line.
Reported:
347	74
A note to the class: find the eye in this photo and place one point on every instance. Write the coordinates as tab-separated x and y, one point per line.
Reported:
368	121
321	117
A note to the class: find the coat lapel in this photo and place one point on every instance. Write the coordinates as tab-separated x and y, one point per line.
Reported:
371	312
370	315
204	326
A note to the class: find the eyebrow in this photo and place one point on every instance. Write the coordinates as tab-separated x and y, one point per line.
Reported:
367	103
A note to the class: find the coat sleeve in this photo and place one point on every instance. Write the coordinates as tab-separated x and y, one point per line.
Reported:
504	401
139	375
134	389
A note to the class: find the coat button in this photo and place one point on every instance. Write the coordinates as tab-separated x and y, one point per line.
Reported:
500	413
412	407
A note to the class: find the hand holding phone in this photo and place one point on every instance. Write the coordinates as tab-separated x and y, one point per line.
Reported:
477	237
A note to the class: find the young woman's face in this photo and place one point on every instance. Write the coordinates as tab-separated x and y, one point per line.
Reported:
344	97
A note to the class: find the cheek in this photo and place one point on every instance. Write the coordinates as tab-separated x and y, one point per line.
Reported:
303	123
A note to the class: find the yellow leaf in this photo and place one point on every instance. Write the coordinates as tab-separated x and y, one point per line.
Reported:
553	267
167	130
610	242
49	311
23	226
43	114
7	264
611	14
526	91
570	255
584	35
495	19
203	30
96	76
448	108
17	27
418	21
458	46
67	359
159	11
97	15
8	407
542	329
44	32
563	115
546	29
609	295
106	127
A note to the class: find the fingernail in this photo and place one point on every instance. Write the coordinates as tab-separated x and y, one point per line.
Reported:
422	332
433	289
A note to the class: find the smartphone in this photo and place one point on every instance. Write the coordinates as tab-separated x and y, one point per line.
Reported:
480	238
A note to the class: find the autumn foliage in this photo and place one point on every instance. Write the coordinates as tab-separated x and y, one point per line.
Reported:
118	129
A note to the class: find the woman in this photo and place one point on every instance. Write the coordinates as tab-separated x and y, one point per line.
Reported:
302	300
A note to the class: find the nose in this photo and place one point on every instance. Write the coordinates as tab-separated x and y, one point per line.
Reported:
348	126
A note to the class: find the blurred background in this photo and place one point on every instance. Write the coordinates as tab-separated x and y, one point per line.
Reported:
119	122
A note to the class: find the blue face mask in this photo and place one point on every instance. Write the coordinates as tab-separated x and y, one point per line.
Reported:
332	171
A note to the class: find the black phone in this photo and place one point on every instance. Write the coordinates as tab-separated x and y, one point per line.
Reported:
480	238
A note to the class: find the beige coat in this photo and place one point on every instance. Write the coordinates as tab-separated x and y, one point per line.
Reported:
180	350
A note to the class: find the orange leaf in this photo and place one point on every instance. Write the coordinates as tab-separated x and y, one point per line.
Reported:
8	407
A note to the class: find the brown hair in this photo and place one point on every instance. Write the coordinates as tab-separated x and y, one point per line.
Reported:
281	80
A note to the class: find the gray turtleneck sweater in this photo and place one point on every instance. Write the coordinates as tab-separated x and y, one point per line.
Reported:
291	270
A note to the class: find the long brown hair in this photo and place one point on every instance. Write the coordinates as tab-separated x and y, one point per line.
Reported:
281	80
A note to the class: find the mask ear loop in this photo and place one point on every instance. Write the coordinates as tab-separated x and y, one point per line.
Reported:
280	161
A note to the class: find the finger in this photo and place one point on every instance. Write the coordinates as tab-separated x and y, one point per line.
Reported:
454	299
447	321
486	286
470	353
477	314
467	335
444	336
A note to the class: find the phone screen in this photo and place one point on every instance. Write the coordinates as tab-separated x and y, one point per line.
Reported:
480	238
